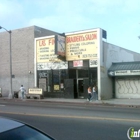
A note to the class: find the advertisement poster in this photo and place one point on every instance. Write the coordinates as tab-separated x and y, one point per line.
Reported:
56	87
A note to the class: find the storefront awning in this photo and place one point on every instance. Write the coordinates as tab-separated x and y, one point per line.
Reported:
124	69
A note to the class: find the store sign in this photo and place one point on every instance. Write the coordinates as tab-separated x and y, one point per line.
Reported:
35	91
56	87
127	72
93	63
43	75
82	46
111	73
52	65
45	50
60	45
78	63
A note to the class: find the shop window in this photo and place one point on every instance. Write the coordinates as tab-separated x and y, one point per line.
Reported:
72	73
82	73
63	76
56	79
44	80
93	76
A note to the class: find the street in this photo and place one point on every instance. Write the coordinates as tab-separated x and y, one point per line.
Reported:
66	121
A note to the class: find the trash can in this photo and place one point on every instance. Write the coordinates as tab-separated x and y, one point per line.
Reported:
15	94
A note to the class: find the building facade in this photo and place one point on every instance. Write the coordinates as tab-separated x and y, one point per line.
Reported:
64	65
88	59
123	58
126	79
22	44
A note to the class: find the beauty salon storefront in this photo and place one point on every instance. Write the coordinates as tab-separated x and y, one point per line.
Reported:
67	65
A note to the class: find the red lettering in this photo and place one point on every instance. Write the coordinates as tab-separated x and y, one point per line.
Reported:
51	42
94	36
67	40
81	38
42	43
91	36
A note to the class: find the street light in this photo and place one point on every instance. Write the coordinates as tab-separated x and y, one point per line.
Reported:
10	89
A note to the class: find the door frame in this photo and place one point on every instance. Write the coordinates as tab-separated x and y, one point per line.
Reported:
78	79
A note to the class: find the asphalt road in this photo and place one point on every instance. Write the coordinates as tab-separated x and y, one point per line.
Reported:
74	121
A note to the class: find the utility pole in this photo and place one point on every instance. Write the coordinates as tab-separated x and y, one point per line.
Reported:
10	51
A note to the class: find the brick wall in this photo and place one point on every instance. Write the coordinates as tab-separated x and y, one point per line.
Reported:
22	44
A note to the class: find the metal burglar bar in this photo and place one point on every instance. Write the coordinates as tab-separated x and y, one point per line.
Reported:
10	89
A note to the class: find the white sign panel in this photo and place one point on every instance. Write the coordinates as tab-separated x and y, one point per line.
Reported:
60	45
78	63
127	72
93	63
35	91
52	65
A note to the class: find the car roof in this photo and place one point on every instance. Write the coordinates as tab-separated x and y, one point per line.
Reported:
8	124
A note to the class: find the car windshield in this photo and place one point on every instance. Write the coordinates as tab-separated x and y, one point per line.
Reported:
23	133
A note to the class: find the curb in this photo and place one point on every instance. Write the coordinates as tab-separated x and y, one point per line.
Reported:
121	105
74	102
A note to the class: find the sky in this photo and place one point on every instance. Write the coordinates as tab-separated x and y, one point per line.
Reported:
120	18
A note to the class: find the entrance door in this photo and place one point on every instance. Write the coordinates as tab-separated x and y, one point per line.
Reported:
80	88
86	85
69	88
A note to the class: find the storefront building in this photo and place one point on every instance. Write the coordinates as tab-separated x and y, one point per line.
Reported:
70	63
65	64
70	76
126	79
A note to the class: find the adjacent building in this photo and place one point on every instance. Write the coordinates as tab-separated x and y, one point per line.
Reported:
22	44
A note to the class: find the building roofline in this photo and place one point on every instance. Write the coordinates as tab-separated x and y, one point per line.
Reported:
82	31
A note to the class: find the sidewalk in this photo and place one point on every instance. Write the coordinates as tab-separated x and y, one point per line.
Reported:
113	102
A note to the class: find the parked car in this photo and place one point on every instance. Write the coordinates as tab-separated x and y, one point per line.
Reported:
15	130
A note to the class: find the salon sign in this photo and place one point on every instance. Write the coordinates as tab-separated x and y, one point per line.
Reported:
82	46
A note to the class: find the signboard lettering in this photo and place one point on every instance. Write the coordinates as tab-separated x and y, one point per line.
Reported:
93	63
45	50
35	91
60	45
127	72
78	63
83	37
82	46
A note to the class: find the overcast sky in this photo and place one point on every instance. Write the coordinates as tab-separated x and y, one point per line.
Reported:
120	18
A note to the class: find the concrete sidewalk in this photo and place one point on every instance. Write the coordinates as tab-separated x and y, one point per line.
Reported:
114	102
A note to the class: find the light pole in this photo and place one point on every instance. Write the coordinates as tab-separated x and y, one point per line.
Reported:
10	88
